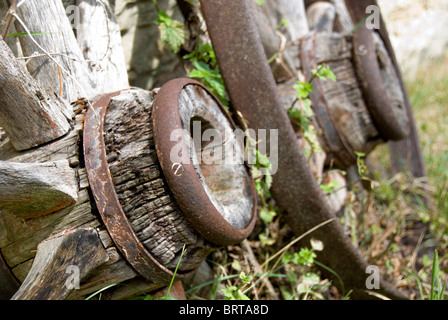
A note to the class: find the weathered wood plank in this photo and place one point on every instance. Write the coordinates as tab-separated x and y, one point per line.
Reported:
30	190
345	102
49	17
99	39
61	263
321	16
12	42
343	22
29	115
293	11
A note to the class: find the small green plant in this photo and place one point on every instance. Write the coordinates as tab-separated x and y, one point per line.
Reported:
330	186
205	69
172	32
302	116
263	182
309	282
437	286
167	295
363	171
437	289
234	292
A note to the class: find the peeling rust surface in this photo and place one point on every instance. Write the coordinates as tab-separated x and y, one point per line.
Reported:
183	179
106	199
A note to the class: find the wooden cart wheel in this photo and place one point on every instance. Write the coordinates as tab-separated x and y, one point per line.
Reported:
406	153
256	96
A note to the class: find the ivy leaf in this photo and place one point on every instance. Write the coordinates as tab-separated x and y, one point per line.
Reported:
303	89
172	32
267	215
324	72
304	257
211	78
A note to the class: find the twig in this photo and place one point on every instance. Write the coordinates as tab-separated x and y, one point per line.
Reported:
8	18
254	262
61	84
47	54
94	61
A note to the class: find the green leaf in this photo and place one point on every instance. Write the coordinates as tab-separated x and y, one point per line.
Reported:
262	159
267	215
171	31
330	186
244	278
323	73
310	278
233	293
236	265
287	258
211	78
204	52
266	240
295	114
435	279
21	34
304	257
303	89
268	179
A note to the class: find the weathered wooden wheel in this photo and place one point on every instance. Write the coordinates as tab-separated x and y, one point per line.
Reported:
349	114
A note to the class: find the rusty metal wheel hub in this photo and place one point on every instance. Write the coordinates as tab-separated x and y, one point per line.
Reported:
217	198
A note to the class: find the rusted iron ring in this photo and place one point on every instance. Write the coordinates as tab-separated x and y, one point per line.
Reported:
383	115
106	199
186	185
